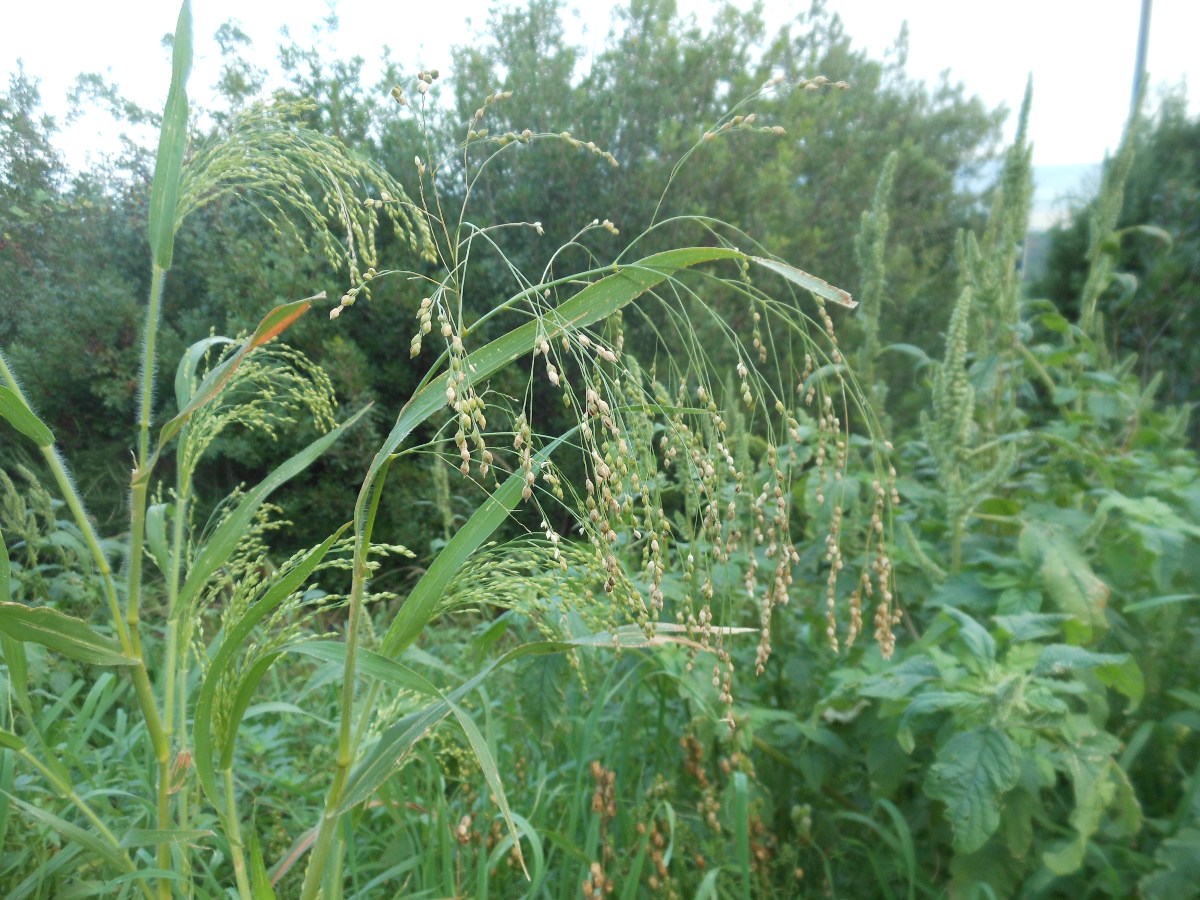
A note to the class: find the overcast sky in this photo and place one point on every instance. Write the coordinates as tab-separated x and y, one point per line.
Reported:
1081	52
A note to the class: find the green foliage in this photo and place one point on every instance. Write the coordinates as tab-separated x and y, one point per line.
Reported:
698	487
224	616
1153	247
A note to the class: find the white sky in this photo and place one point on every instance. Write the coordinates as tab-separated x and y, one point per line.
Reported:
1081	52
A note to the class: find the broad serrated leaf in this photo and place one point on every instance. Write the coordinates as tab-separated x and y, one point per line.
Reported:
18	414
901	679
1177	876
980	645
973	772
930	702
1068	581
1118	671
64	634
1089	766
1022	627
1017	818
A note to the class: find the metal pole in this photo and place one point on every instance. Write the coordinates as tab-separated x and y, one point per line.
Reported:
1139	71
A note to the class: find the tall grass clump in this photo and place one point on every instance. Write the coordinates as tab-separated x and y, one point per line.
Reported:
672	497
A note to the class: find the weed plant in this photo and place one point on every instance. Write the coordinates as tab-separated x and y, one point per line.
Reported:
666	509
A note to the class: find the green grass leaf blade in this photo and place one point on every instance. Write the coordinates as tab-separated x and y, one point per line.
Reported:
18	671
10	741
5	572
244	693
34	883
185	372
272	325
708	887
172	144
537	876
61	633
904	836
394	744
260	881
491	774
225	539
741	831
223	658
74	833
1154	602
818	286
421	602
399	738
18	414
595	302
156	534
151	837
369	664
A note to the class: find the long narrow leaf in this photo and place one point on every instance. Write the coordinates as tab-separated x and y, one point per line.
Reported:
34	883
260	881
150	837
246	686
394	744
74	833
371	665
224	540
18	671
156	534
172	142
185	372
399	738
818	286
61	633
5	572
401	676
14	408
172	145
272	325
418	608
741	831
202	729
595	302
491	773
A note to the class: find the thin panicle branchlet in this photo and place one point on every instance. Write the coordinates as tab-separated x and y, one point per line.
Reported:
689	522
687	440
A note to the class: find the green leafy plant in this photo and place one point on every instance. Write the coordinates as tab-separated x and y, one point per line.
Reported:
637	444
